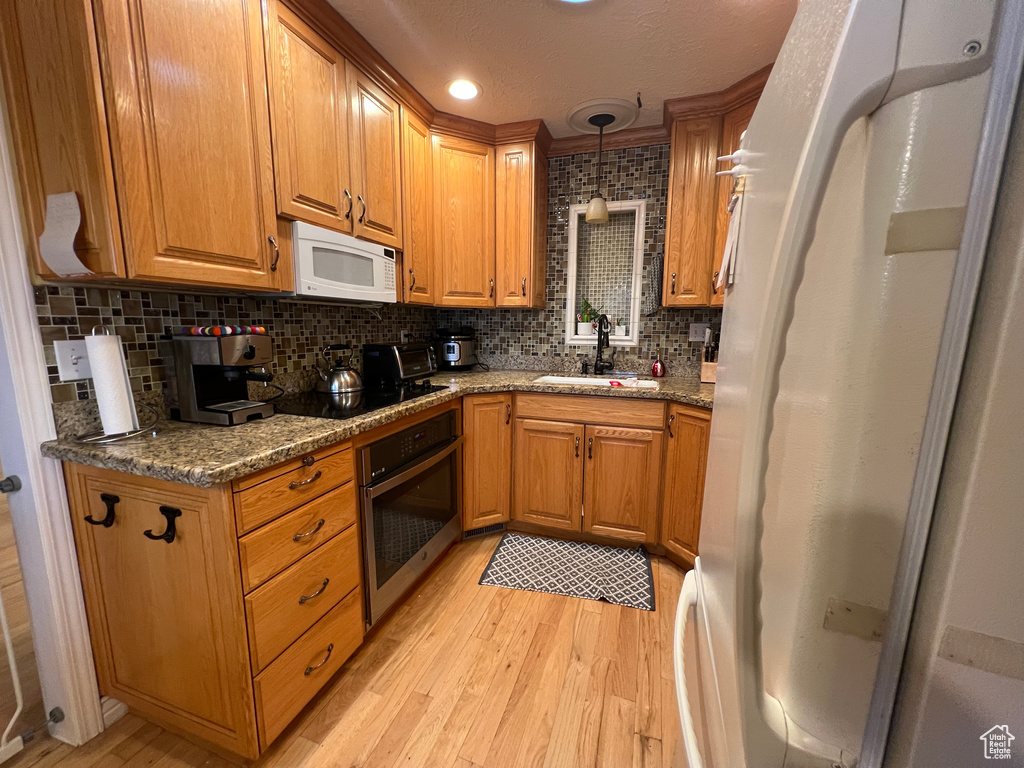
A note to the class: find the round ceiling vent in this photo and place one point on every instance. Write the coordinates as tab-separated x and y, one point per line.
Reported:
624	113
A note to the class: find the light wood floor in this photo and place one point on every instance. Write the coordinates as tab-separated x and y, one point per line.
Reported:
466	676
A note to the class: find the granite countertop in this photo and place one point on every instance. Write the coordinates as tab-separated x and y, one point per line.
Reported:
206	455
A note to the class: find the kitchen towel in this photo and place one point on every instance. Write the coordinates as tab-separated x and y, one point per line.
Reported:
110	379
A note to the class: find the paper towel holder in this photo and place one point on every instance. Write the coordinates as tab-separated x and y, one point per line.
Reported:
99	438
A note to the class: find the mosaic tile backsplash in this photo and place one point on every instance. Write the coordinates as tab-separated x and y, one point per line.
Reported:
509	338
505	335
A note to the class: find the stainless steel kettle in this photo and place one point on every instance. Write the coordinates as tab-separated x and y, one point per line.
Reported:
342	378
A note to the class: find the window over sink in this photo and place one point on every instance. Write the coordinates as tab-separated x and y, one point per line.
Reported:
604	273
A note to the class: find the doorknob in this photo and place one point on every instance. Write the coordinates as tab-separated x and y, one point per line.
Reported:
10	484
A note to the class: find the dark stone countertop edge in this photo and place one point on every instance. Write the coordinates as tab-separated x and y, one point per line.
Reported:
298	435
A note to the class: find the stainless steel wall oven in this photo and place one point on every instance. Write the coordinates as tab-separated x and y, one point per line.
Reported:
409	498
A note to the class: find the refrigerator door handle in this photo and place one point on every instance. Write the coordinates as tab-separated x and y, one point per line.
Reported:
687	601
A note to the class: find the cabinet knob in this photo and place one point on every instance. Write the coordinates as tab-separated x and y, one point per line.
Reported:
277	253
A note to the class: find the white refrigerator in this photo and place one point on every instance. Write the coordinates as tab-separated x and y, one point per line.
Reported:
869	173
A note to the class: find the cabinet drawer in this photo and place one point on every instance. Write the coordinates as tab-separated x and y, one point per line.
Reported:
277	613
261	503
592	409
277	545
287	685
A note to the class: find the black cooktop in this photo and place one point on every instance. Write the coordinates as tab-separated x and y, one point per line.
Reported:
326	406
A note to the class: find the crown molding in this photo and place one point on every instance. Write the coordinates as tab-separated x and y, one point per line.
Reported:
726	100
525	130
462	127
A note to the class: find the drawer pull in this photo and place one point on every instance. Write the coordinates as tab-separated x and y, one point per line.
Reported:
299	483
524	287
110	500
311	670
590	448
577	446
671	418
508	413
306	598
301	536
170	532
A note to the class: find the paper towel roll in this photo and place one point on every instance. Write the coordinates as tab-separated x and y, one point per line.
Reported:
110	379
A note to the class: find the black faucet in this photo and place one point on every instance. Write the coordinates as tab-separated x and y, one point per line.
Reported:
604	328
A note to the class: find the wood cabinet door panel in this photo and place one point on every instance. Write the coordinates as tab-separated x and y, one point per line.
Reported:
734	123
487	459
464	221
690	235
622	473
376	161
513	224
418	179
685	463
186	84
548	469
310	101
166	618
59	125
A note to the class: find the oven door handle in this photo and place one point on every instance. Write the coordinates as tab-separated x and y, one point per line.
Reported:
421	464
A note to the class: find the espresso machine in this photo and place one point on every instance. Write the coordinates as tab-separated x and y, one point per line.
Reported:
212	375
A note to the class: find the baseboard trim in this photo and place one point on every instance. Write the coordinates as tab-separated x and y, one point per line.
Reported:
113	710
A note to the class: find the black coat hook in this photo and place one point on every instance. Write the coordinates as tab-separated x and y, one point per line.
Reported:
110	500
168	535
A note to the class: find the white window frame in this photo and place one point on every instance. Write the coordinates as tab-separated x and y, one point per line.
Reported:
631	339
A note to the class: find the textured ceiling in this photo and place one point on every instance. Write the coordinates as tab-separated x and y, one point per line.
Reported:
539	58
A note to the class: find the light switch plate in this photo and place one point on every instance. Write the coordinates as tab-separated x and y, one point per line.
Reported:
697	331
72	360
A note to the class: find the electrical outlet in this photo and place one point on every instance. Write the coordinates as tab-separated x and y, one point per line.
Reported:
403	335
72	360
697	331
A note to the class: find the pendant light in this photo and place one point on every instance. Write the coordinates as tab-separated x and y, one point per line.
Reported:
597	209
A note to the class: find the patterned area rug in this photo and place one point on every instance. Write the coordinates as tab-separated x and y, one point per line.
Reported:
573	568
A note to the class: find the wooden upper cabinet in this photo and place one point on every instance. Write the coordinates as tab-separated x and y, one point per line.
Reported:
487	460
375	158
521	179
185	87
692	195
157	608
59	125
464	221
548	473
685	461
418	184
622	475
734	123
309	107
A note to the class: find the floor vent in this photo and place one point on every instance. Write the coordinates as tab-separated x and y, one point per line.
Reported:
496	528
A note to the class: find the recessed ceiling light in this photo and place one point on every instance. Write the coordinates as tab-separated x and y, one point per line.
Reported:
463	89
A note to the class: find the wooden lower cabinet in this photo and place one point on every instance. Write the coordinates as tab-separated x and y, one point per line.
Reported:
620	482
548	487
167	614
486	460
686	452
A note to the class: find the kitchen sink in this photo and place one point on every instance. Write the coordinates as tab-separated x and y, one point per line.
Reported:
594	381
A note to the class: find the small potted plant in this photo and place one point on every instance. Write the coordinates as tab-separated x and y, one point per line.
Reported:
620	326
585	319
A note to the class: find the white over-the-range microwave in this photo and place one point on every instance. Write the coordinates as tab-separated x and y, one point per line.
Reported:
330	265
